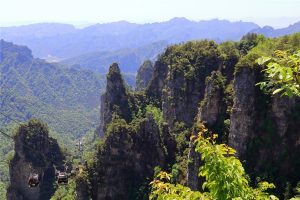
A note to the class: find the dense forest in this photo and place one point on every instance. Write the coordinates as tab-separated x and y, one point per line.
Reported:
207	120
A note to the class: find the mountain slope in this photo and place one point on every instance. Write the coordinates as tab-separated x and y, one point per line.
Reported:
67	99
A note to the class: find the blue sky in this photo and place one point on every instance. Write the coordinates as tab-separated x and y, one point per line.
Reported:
274	12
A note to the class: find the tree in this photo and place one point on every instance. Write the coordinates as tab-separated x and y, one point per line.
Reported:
225	177
282	73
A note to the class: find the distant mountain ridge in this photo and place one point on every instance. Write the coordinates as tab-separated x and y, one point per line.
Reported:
128	59
97	46
65	41
269	31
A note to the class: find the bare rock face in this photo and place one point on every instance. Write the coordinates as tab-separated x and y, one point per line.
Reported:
82	189
263	130
35	152
243	111
114	100
281	109
127	158
144	75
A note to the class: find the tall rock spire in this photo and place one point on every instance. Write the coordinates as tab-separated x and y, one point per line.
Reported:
115	100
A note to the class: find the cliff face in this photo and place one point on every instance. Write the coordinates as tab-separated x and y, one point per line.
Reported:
263	130
196	82
131	147
35	152
211	111
127	159
242	117
179	79
144	75
134	146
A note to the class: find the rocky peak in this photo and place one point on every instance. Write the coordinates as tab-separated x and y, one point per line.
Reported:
35	152
115	100
144	75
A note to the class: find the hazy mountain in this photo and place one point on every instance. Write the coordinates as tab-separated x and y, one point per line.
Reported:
64	41
271	32
128	59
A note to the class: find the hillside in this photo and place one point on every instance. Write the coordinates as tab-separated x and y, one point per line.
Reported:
67	43
66	99
31	87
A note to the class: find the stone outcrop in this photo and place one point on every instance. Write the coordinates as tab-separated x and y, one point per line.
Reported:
35	152
144	75
114	100
127	159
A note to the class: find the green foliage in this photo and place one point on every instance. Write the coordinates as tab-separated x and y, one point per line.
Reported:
66	192
229	96
190	57
266	47
6	154
229	53
248	42
297	192
156	112
282	73
168	191
224	175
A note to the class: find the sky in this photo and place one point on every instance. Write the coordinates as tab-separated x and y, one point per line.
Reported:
277	13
